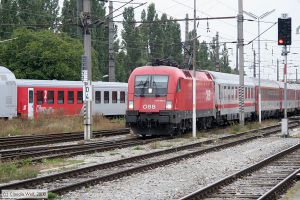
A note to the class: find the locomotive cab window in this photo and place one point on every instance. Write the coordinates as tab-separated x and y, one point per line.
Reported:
114	97
70	97
60	97
40	97
50	97
151	85
106	96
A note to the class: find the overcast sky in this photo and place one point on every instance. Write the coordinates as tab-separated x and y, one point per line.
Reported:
227	29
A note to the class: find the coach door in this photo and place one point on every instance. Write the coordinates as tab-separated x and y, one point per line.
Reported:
30	103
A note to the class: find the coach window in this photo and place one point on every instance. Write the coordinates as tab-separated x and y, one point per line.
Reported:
79	97
98	97
114	97
122	97
60	97
106	96
50	97
70	97
40	96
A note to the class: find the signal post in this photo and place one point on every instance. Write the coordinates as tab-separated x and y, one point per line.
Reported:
284	39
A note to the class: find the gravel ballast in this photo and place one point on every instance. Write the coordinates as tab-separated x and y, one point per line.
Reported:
176	180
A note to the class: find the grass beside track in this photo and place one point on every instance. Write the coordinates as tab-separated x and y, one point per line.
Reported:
55	124
12	171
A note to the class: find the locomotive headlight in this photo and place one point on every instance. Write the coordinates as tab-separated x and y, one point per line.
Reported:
130	105
169	105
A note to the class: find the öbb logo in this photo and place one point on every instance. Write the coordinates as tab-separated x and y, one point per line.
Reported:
149	107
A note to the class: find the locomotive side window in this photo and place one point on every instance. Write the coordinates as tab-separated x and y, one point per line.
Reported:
178	86
70	97
106	96
122	97
79	97
40	97
98	97
50	97
114	96
60	97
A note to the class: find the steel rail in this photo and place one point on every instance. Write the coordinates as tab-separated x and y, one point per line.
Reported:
216	186
80	149
25	141
277	189
144	167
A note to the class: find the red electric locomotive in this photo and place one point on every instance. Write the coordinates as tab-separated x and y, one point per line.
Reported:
160	100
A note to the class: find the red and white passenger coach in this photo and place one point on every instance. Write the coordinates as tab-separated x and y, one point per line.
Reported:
29	98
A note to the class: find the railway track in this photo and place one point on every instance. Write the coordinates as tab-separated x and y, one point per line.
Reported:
34	140
37	154
264	180
73	179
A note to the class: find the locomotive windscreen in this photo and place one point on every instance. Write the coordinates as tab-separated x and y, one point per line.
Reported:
151	85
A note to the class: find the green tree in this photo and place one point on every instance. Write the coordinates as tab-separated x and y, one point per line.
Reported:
69	18
44	55
8	18
38	14
131	40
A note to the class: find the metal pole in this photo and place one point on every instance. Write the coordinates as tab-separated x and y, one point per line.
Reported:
254	64
259	86
194	73
237	59
88	83
277	70
218	68
285	82
284	121
187	42
296	75
241	62
111	64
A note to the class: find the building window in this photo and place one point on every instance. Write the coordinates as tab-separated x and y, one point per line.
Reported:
70	97
50	97
114	97
79	97
40	97
97	97
106	96
60	97
122	97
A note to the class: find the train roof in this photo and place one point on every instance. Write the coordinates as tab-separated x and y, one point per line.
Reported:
68	84
267	83
174	71
6	74
225	78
